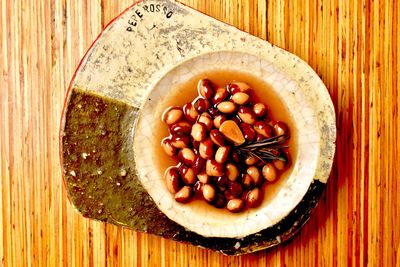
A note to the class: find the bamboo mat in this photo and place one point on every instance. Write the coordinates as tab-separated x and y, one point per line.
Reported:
353	45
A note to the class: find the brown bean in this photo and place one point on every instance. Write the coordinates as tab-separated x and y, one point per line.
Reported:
263	128
218	120
187	175
222	154
240	98
184	194
187	156
237	87
172	115
172	179
190	112
253	197
199	131
260	137
198	164
217	137
169	149
207	120
235	189
235	205
222	182
232	132
209	192
182	127
219	201
232	172
201	105
235	157
220	95
246	180
269	172
247	115
250	160
226	107
205	88
198	187
260	110
180	140
214	168
255	175
248	132
206	149
214	112
280	128
203	177
236	119
279	164
228	195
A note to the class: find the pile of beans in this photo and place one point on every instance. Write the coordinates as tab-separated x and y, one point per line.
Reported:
203	137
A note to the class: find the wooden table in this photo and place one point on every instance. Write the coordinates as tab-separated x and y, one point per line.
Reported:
355	48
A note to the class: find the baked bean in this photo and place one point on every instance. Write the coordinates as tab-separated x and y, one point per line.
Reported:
279	164
220	95
235	189
199	131
214	112
255	175
201	105
246	180
187	175
169	149
182	127
219	201
250	160
172	115
207	120
222	154
269	172
187	156
240	98
260	110
209	192
214	168
203	177
263	129
198	164
226	107
217	137
253	197
179	140
248	132
206	149
198	187
232	172
184	194
236	87
205	88
190	112
235	205
218	120
247	115
172	179
222	182
280	128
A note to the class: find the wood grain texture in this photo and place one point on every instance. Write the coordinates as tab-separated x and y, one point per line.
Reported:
353	45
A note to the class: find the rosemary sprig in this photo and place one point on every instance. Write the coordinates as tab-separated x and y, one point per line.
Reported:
264	150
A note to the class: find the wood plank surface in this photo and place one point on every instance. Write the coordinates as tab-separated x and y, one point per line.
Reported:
353	45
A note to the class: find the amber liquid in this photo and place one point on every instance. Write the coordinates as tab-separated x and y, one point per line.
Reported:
186	92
